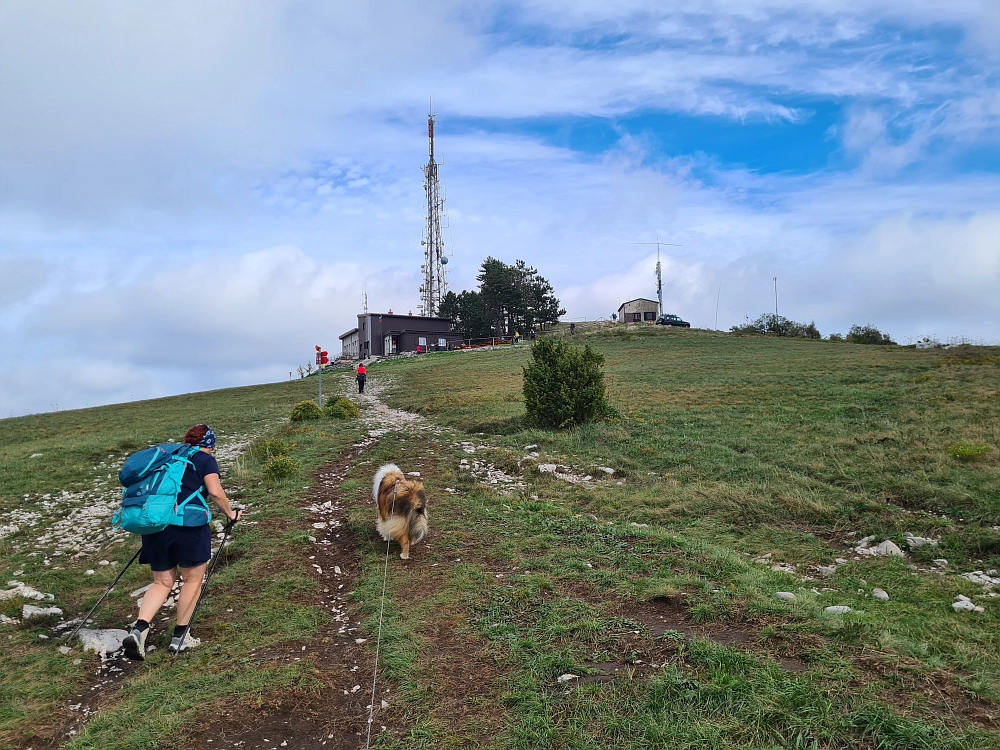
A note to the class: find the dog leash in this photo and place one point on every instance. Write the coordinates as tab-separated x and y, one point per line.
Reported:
378	640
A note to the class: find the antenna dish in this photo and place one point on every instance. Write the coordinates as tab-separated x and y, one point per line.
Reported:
444	261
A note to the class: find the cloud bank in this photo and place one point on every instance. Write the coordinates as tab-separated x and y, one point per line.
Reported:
244	169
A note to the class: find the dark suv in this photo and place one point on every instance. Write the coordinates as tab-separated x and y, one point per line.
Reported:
672	320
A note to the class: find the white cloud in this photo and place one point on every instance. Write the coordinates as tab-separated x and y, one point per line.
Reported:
245	167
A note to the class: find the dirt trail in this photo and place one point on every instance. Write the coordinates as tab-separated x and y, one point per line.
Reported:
343	658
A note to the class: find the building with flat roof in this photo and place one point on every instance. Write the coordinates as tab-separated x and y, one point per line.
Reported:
381	334
638	310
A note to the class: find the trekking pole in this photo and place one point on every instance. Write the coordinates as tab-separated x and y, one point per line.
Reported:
204	588
110	588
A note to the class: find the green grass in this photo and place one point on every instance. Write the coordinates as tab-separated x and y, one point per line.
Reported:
260	600
729	451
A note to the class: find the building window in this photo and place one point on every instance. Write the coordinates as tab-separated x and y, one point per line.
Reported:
442	342
649	316
422	340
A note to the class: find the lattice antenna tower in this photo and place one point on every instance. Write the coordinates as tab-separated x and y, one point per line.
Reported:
435	270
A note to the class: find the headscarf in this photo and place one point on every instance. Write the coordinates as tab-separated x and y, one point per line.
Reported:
209	440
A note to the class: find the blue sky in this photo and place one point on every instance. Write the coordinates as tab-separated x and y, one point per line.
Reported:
247	167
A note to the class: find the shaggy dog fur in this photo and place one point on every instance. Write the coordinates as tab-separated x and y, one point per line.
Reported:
402	508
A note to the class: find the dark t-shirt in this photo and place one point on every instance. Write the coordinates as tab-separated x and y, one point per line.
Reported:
192	481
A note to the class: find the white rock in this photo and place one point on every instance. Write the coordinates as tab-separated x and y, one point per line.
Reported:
940	563
607	470
4	620
915	542
888	549
532	447
547	468
981	578
25	592
826	570
36	455
837	609
567	677
413	473
319	525
866	541
787	596
962	598
880	595
103	642
141	591
965	605
29	611
783	568
89	572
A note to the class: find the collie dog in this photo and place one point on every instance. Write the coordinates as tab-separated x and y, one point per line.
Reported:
402	508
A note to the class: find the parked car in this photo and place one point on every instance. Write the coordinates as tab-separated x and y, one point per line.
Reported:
672	320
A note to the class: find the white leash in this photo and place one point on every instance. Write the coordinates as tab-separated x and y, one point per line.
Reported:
378	640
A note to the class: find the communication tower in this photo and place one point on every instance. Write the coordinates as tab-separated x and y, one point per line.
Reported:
659	273
435	269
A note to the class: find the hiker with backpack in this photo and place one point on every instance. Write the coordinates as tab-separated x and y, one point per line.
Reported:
361	376
186	540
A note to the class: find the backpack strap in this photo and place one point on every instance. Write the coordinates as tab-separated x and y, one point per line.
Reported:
199	494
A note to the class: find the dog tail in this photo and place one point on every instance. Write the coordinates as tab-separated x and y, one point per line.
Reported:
381	474
418	527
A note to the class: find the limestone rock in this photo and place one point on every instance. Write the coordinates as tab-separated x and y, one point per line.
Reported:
838	609
787	596
915	542
880	595
29	611
888	549
102	642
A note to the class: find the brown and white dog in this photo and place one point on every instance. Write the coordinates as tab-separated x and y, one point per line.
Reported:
402	508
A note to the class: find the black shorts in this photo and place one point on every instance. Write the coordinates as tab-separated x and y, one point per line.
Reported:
184	546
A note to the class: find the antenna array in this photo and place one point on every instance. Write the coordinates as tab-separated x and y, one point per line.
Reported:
435	271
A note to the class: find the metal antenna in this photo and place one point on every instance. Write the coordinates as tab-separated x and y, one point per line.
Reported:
435	284
659	275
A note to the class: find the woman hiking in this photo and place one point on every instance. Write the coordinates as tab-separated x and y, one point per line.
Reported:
362	375
188	547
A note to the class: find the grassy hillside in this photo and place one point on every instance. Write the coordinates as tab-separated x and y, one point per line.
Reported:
742	467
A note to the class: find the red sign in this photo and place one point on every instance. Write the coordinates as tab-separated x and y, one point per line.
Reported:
324	358
319	358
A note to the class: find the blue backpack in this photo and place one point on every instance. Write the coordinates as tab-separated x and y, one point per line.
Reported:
152	481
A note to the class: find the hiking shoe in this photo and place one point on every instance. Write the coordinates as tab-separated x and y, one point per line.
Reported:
135	644
189	642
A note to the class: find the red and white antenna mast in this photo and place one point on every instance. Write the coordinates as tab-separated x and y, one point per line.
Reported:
435	270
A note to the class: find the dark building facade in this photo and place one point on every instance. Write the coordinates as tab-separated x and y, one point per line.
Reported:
379	334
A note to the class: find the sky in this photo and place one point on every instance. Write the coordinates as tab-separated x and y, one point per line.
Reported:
194	194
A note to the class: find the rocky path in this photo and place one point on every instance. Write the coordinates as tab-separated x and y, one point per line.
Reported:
343	657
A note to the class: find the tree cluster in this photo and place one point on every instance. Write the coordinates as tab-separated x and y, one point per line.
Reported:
778	325
511	299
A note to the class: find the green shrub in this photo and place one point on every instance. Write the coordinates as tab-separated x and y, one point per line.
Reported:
306	410
342	408
778	325
281	467
836	337
262	450
969	451
563	385
868	335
